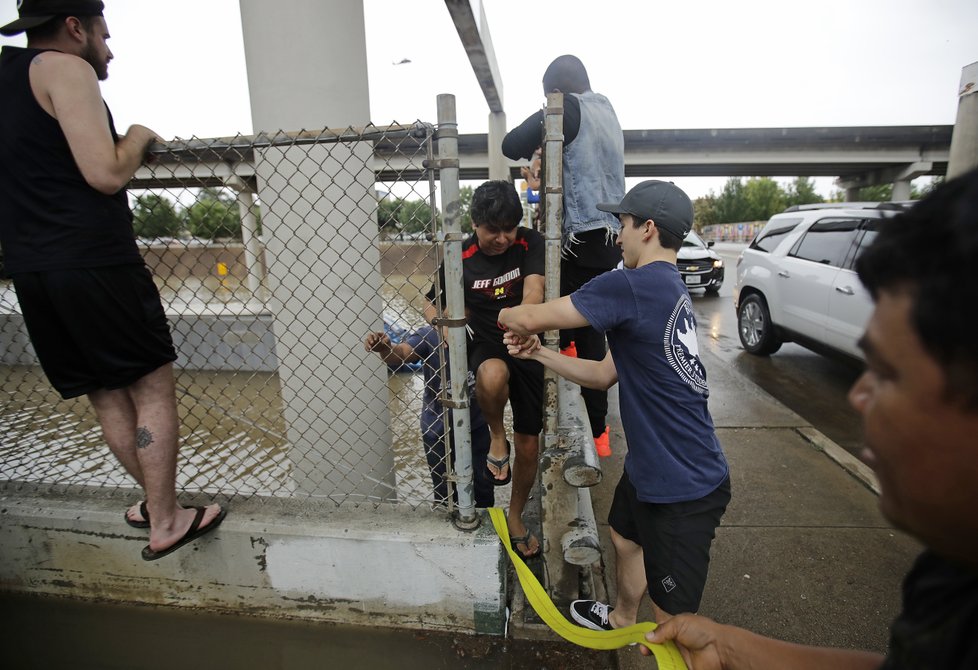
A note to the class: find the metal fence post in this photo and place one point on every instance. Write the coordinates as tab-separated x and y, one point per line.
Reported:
563	465
558	502
447	163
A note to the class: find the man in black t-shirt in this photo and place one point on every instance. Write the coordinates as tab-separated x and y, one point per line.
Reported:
91	308
502	266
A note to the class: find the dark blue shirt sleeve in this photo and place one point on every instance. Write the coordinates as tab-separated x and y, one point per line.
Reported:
606	301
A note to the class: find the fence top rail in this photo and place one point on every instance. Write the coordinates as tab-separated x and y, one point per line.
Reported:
390	140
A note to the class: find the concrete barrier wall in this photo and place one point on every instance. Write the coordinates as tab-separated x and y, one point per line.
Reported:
277	558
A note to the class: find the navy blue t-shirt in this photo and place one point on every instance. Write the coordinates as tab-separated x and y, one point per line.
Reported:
424	341
673	452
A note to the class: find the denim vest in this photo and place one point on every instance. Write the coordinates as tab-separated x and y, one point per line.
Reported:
594	169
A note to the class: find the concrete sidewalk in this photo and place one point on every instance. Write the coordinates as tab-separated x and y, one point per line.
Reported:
803	553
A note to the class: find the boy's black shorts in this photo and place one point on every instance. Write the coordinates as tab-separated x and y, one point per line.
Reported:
525	384
95	328
675	538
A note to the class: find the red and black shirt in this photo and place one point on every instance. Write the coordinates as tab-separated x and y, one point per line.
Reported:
494	282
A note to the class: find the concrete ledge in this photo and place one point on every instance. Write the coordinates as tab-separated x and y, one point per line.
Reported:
849	463
380	567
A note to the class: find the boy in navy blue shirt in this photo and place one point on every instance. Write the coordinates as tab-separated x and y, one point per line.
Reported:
676	483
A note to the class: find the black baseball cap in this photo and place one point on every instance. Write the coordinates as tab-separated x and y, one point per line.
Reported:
36	12
662	201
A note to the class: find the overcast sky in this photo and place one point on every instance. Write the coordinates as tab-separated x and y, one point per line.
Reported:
180	68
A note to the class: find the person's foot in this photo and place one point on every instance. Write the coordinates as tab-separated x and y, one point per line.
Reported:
591	614
522	540
497	463
137	516
187	522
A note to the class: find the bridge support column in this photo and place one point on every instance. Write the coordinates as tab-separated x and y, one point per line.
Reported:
307	69
497	131
901	190
964	141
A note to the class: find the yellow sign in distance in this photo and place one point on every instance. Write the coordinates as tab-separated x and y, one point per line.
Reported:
666	655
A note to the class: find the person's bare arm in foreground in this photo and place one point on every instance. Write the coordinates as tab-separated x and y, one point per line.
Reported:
707	645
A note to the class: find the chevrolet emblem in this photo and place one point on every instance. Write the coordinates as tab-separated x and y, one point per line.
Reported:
691	268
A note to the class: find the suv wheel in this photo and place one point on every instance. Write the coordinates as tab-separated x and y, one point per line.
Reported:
757	333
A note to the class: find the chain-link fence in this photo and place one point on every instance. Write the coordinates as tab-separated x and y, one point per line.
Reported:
275	255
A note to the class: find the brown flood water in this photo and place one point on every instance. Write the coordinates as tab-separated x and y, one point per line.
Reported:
47	633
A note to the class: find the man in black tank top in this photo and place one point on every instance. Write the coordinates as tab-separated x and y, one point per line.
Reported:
92	311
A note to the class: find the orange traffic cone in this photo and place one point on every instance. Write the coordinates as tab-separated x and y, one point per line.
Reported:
601	443
570	350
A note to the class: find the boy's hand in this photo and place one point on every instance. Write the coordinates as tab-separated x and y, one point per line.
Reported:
521	346
379	342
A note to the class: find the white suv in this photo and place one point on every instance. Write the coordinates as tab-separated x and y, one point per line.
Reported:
796	283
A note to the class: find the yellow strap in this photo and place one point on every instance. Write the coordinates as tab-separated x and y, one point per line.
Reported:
666	655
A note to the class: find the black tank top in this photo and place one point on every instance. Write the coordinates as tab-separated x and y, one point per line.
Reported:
50	218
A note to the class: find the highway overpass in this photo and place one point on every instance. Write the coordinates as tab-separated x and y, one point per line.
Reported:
858	156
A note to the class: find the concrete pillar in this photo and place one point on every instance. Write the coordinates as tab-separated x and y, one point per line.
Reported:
307	63
964	140
307	69
249	236
497	131
852	194
901	190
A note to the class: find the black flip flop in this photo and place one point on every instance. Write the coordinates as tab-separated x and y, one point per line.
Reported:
138	524
501	463
192	534
525	539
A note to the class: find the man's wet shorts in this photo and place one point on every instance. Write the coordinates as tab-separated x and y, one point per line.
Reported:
676	539
95	328
525	383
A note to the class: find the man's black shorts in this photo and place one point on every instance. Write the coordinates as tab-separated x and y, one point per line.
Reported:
95	328
675	538
525	384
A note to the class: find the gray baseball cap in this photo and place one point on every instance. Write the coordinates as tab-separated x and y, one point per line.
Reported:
37	12
662	201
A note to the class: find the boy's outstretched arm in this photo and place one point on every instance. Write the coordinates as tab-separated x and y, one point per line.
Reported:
392	355
590	374
552	315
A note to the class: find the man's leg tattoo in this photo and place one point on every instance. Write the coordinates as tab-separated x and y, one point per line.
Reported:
144	438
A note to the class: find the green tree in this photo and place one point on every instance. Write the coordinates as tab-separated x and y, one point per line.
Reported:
465	208
214	215
387	216
875	193
155	216
415	216
764	197
401	214
705	210
801	191
731	204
